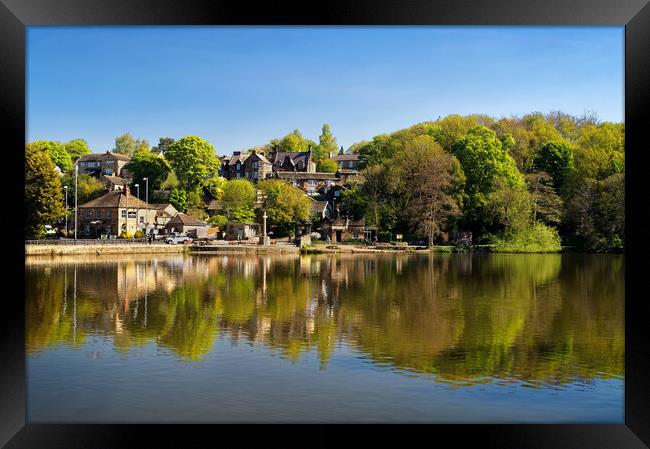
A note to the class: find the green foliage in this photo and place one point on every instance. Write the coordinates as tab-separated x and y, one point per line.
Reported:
77	148
178	199
293	142
511	207
138	234
239	197
327	166
57	153
194	160
145	164
484	161
285	205
218	220
547	204
556	159
163	144
536	238
326	145
198	213
215	186
44	202
88	188
170	182
127	144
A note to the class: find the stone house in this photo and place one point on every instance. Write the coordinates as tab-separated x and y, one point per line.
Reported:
111	164
114	212
184	224
301	161
164	213
242	231
253	166
310	182
341	229
346	161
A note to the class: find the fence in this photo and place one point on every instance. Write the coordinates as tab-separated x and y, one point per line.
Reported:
85	241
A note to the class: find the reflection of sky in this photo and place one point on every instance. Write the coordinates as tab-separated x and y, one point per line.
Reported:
241	383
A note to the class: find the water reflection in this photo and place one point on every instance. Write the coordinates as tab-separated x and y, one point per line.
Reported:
464	319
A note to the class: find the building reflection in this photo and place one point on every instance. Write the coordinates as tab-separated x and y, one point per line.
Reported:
459	318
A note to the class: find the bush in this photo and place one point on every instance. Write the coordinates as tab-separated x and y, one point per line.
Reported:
125	235
138	234
537	238
218	220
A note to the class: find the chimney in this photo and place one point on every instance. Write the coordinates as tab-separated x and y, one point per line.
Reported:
253	152
341	150
236	153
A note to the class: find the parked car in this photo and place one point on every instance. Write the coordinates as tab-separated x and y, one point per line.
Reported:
175	239
50	231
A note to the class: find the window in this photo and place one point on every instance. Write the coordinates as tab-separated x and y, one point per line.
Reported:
124	213
350	164
256	164
108	171
255	175
89	213
108	213
311	183
131	214
141	220
341	164
238	166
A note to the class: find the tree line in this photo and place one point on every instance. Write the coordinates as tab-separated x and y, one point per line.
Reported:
529	183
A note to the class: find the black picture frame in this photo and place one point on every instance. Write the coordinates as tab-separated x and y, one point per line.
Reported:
15	15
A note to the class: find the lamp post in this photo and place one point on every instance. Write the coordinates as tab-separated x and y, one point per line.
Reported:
137	209
146	200
76	212
66	210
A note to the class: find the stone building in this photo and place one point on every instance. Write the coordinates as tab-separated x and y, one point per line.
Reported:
253	166
114	212
98	164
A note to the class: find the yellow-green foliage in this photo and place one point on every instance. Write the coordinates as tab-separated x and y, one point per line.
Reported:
537	238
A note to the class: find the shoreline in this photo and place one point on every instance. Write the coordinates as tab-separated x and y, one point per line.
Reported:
82	249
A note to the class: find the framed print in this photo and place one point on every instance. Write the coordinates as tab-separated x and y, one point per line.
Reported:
375	213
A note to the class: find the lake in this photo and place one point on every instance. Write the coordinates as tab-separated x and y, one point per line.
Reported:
467	338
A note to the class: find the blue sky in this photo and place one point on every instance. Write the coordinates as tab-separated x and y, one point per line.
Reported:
242	86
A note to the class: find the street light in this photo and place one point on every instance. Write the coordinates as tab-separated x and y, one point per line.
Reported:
76	213
66	210
137	209
146	200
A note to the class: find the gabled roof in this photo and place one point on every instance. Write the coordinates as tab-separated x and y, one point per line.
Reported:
185	219
215	205
348	171
318	207
115	180
237	158
300	159
117	199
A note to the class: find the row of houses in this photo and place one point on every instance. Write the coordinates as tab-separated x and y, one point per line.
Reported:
118	210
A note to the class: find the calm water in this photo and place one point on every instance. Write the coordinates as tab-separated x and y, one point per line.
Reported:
426	338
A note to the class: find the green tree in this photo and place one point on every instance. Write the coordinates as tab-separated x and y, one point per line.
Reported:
327	166
194	161
327	145
511	207
239	197
77	148
178	199
547	205
285	204
215	186
218	220
556	159
485	163
293	142
163	144
170	182
146	164
127	144
57	153
44	202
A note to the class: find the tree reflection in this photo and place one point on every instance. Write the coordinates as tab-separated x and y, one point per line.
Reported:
459	318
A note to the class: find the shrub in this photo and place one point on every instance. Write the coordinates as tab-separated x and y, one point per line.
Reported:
125	235
218	220
537	238
138	234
